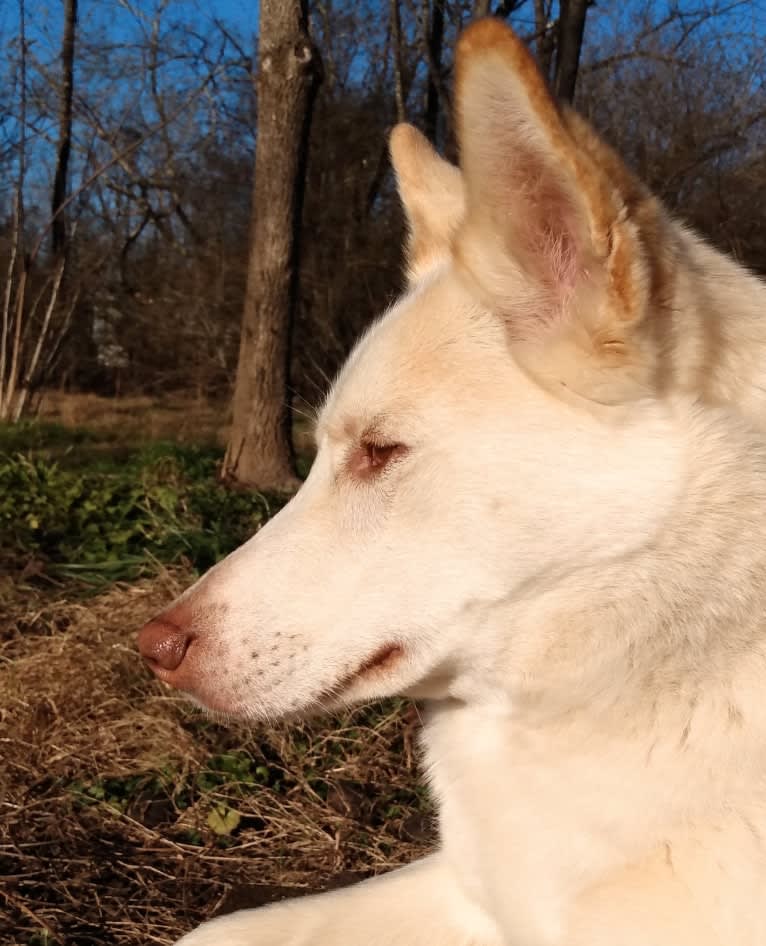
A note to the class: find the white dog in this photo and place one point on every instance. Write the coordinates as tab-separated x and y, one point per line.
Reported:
532	509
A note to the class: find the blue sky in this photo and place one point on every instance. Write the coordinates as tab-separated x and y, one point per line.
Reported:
112	24
244	15
44	17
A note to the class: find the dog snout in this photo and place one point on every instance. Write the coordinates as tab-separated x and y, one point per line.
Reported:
163	644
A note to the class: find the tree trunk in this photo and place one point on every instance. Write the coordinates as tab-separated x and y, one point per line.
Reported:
435	41
58	226
260	452
545	37
396	44
569	45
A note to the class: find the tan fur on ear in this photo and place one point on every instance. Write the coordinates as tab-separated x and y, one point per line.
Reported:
489	54
559	237
639	205
631	189
431	191
558	231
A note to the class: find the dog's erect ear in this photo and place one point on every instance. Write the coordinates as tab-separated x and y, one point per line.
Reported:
551	214
431	191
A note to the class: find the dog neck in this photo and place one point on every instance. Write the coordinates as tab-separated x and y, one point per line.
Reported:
662	629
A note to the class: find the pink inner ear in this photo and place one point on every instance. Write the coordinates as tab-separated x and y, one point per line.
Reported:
517	177
559	257
543	223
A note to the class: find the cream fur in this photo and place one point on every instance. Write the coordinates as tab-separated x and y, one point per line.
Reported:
569	553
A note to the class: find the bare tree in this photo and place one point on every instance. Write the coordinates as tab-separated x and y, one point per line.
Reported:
434	41
396	53
545	36
569	36
40	292
260	449
503	9
157	207
58	228
16	277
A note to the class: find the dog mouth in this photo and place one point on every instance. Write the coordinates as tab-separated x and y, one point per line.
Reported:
375	668
380	663
384	658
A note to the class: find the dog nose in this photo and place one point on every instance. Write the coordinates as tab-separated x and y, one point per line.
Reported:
162	644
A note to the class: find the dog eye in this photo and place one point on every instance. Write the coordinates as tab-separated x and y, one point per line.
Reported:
378	455
370	457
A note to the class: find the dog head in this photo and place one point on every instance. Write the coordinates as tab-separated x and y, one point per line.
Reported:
496	427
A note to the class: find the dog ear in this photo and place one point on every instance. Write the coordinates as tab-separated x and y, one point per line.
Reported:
550	223
431	191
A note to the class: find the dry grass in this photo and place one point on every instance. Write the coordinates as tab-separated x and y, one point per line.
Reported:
177	417
81	719
138	419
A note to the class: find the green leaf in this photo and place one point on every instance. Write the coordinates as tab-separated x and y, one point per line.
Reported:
223	820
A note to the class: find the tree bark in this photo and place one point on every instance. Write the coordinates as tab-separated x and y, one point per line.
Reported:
396	49
503	9
435	42
260	452
569	45
58	224
545	37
